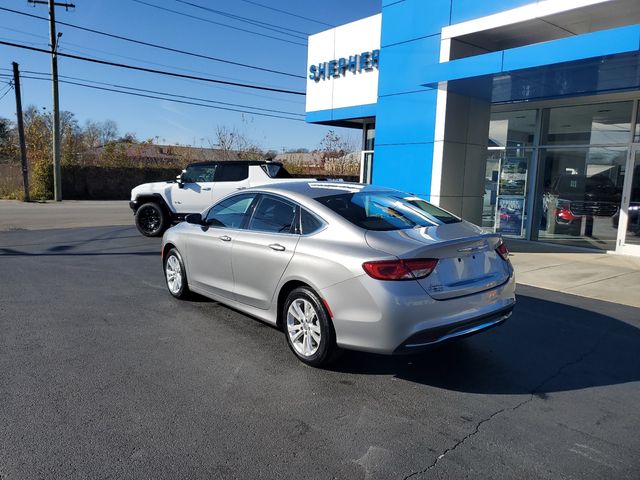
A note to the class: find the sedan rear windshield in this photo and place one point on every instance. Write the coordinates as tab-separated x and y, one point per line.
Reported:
385	211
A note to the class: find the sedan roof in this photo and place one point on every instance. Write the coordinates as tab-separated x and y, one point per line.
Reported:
316	189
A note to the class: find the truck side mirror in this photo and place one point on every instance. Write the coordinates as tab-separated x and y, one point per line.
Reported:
179	181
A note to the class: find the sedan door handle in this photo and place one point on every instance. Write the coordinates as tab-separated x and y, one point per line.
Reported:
225	238
206	188
277	247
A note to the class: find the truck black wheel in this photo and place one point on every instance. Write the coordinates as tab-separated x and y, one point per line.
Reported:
151	220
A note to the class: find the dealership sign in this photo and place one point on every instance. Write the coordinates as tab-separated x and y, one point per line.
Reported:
366	61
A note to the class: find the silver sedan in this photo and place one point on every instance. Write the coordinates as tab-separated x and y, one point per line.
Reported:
341	265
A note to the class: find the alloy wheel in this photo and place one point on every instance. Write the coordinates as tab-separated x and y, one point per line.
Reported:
303	327
173	273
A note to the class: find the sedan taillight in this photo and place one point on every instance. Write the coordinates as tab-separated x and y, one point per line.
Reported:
503	251
413	269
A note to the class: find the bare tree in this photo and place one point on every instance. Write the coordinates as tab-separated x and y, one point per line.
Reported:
109	131
92	134
338	154
128	137
235	145
225	141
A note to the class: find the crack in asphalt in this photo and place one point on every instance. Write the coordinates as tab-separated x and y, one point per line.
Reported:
534	393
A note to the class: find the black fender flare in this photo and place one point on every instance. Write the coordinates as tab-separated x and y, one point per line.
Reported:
151	197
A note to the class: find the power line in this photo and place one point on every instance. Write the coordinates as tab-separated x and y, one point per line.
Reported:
268	7
159	93
155	45
258	23
85	51
176	12
155	97
9	88
152	70
296	100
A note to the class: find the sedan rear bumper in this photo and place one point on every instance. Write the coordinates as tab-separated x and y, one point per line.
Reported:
397	317
426	338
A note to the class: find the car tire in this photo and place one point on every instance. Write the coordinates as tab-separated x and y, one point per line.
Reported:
308	328
151	220
175	275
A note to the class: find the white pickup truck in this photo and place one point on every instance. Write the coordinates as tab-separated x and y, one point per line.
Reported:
158	205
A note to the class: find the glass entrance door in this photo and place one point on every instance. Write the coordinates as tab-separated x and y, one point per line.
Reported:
629	215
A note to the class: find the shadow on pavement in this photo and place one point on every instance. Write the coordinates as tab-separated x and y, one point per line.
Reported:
544	347
82	243
9	252
526	246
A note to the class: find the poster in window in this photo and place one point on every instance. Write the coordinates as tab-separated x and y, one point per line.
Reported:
513	176
510	216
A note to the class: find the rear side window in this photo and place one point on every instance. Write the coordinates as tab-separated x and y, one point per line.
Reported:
229	172
309	223
199	173
275	170
385	211
231	212
273	215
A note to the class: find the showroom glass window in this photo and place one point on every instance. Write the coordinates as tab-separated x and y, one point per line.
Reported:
506	189
582	166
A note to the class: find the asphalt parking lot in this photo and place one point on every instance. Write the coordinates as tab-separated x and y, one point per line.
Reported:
104	375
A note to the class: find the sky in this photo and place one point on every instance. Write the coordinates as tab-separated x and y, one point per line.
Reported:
165	121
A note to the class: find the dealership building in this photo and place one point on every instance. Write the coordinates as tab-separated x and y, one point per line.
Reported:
519	116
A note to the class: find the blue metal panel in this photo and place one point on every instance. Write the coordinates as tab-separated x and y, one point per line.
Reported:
407	118
405	167
413	19
597	44
402	66
605	42
478	65
463	10
345	113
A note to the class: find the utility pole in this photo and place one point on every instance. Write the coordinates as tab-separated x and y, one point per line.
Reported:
57	181
23	145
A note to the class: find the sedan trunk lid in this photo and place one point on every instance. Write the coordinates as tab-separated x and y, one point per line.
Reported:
467	260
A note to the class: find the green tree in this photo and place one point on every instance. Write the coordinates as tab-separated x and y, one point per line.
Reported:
37	129
8	141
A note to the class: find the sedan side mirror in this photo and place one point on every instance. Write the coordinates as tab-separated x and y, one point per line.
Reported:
194	218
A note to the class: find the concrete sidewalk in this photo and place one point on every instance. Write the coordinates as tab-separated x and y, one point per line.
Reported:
602	276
